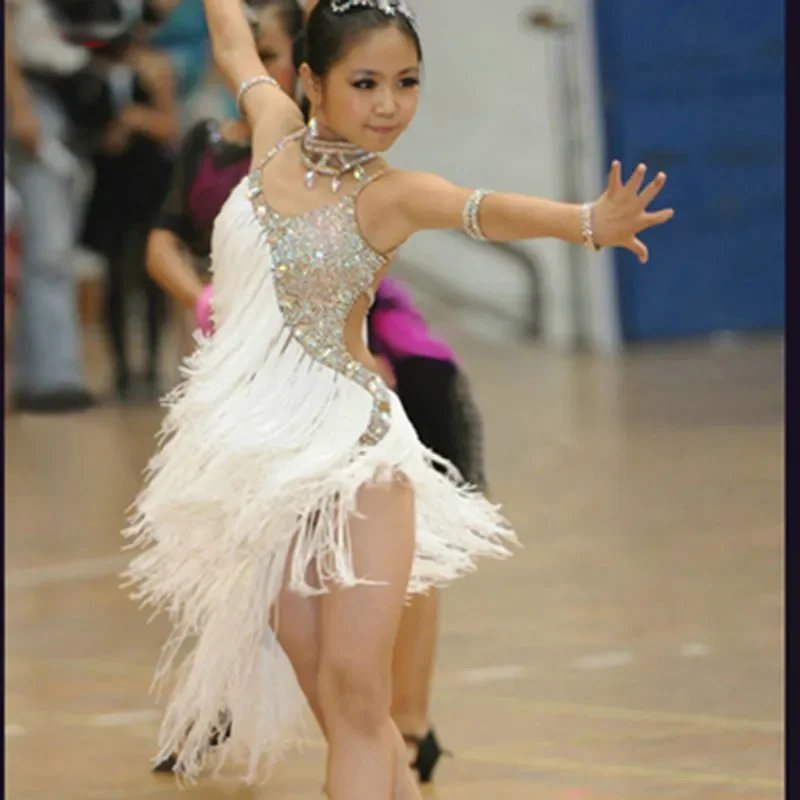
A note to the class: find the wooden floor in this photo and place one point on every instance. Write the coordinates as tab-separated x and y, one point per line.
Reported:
632	651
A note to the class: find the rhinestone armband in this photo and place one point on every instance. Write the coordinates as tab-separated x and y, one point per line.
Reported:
249	84
587	231
470	215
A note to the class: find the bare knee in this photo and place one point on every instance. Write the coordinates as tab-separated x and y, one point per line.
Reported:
305	668
354	689
305	663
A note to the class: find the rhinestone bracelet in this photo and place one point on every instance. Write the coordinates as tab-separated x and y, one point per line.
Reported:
470	215
587	232
249	84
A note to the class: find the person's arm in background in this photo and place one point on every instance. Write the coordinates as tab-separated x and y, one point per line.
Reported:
24	125
171	268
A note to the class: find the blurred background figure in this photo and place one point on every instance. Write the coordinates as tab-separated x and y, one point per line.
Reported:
44	167
131	159
132	171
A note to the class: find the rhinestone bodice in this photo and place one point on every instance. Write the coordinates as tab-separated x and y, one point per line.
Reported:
321	265
321	259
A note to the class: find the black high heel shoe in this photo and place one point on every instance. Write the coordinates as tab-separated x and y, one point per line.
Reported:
428	754
170	762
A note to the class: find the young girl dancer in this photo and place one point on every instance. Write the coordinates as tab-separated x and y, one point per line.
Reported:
423	370
291	493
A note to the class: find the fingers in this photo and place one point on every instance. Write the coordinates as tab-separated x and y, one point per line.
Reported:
639	249
657	218
615	180
635	181
652	189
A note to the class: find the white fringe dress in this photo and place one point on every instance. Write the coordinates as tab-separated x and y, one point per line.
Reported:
266	442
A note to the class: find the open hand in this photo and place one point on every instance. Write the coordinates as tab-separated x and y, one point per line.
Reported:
621	212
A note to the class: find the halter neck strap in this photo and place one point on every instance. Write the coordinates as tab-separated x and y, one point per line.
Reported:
277	149
368	180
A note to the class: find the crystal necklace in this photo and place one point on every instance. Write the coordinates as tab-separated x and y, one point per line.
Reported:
331	159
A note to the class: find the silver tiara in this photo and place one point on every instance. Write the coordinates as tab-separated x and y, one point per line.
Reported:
388	7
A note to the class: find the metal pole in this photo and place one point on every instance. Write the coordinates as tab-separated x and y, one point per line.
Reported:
561	30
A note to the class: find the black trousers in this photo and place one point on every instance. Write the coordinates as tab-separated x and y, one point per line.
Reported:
129	189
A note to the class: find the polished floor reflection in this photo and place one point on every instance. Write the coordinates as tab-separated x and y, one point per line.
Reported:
633	650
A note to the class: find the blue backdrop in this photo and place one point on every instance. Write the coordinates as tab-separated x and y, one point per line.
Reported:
696	88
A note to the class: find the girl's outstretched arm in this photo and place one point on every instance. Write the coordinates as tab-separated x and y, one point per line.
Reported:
428	202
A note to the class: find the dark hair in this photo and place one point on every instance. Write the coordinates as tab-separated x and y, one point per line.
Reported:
328	34
291	13
298	57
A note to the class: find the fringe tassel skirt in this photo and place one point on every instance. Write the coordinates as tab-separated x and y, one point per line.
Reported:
254	482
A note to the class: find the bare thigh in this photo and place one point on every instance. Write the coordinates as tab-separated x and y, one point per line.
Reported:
359	625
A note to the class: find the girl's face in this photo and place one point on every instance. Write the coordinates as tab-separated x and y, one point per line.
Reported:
370	95
275	48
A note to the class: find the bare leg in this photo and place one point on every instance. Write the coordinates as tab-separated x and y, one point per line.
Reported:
358	632
298	633
413	664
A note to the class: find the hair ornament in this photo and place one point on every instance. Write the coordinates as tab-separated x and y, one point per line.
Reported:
388	7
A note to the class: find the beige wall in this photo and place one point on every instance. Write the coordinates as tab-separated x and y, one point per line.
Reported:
490	116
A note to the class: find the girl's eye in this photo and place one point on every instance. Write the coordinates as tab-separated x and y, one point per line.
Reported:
369	83
267	56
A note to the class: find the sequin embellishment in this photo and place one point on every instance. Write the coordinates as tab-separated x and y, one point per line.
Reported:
321	265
